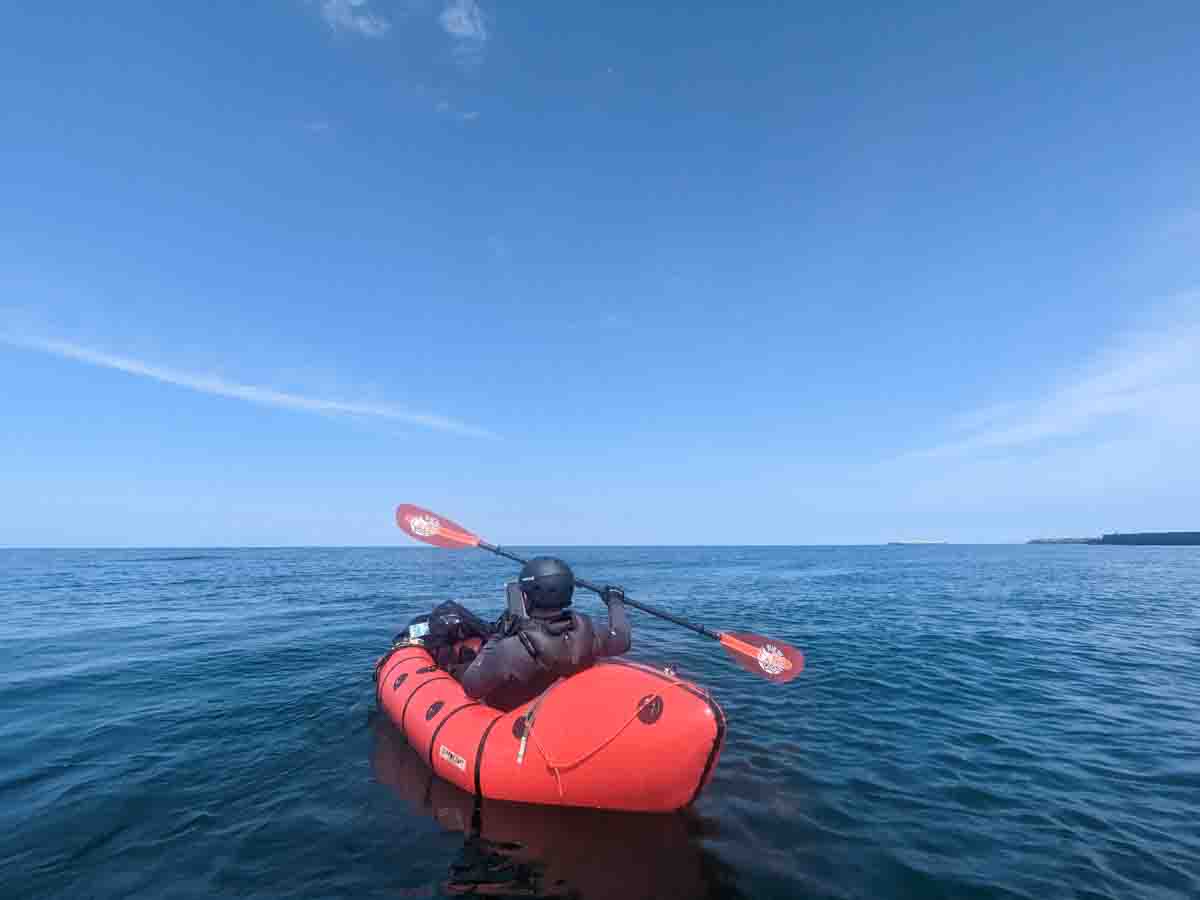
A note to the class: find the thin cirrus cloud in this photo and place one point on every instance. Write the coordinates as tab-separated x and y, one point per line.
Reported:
464	21
446	109
262	396
1149	384
355	17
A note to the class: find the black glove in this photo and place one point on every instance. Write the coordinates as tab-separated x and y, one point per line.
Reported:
611	593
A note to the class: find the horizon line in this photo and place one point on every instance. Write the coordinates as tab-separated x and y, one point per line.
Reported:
1021	542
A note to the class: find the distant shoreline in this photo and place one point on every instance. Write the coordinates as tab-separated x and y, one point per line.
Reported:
1138	539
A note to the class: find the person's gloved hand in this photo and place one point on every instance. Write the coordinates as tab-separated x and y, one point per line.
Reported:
611	593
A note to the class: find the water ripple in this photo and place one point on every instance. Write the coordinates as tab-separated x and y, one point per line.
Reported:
974	722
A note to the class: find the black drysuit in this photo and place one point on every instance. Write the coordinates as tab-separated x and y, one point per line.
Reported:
527	655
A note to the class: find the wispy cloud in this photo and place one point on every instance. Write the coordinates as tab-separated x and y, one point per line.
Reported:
354	16
263	396
1149	381
447	109
464	21
1110	444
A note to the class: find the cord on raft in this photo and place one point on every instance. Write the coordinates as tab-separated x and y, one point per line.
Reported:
558	768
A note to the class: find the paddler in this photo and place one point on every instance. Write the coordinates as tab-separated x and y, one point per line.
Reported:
540	639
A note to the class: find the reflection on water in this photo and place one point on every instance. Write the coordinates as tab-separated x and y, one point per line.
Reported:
519	850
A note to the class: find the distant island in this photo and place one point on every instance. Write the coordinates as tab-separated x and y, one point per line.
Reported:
1143	538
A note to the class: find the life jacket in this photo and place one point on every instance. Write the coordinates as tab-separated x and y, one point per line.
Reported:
561	646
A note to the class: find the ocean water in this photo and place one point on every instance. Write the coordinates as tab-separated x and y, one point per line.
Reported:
973	722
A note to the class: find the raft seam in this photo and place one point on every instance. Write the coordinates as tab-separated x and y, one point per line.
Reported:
718	716
398	664
382	660
380	682
404	712
447	718
479	753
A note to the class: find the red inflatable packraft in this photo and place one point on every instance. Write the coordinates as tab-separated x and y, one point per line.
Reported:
619	735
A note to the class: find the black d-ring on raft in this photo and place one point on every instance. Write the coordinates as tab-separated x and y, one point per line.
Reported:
651	708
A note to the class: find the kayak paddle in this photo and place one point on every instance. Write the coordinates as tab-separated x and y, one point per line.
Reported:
767	658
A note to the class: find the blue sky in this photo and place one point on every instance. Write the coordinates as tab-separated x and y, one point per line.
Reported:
598	274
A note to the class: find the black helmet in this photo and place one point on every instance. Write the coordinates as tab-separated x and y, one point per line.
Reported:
547	583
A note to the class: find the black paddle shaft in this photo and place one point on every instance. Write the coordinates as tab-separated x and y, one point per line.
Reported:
644	607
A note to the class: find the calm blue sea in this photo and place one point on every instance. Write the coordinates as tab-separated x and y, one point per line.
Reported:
974	722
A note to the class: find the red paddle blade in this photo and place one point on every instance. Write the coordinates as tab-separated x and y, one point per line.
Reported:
433	529
765	657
